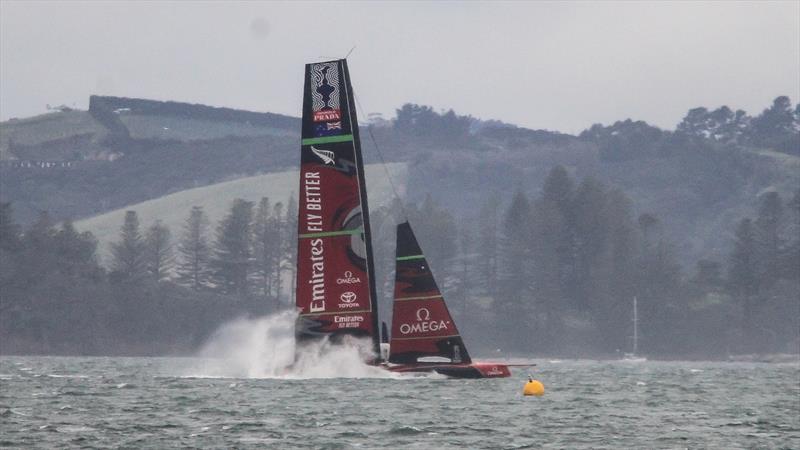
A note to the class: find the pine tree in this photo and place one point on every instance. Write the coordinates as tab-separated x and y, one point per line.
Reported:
232	261
76	252
159	251
743	276
129	253
276	226
289	243
515	306
775	125
558	227
591	245
194	251
547	239
487	248
465	271
266	246
622	253
768	242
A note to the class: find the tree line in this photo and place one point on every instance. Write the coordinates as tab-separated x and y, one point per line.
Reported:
157	296
556	273
550	274
250	253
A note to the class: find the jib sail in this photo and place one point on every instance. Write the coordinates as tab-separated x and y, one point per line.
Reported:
335	277
421	323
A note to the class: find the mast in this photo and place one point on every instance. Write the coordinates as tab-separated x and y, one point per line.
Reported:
362	186
335	290
635	327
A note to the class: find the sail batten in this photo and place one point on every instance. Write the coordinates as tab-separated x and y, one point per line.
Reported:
335	291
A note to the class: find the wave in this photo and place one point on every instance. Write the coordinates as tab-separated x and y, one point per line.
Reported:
264	347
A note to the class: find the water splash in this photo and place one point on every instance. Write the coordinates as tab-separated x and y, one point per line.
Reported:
264	347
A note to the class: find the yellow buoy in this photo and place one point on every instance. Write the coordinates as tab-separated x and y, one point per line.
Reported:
533	387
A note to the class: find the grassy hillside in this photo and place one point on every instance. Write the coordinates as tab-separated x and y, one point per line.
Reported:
113	125
51	127
216	200
697	186
167	127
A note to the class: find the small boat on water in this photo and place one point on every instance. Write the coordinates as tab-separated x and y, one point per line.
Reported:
633	356
336	294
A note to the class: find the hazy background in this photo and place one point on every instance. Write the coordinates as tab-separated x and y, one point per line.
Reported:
687	197
559	66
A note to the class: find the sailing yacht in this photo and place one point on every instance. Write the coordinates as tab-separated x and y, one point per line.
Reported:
632	356
336	294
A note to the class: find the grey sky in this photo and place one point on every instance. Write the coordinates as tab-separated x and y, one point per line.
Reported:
560	66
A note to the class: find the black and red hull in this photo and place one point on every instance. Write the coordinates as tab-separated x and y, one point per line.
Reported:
471	370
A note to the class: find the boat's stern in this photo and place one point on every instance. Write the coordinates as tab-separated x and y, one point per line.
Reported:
492	370
474	370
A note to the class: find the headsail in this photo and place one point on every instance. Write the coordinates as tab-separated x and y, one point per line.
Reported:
421	323
335	276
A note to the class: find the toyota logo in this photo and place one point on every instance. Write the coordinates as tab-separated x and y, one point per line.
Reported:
348	297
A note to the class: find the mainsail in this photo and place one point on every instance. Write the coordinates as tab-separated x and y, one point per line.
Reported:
336	293
421	323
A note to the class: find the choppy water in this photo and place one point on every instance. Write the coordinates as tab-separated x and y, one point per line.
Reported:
157	402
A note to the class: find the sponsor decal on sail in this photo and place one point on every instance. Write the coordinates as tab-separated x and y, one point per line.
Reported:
313	208
348	278
317	280
313	202
349	298
424	324
325	92
348	321
325	155
328	128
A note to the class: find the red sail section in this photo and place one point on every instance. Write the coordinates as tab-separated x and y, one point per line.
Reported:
421	323
334	290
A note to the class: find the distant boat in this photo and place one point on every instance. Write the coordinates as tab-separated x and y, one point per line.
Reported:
335	293
633	355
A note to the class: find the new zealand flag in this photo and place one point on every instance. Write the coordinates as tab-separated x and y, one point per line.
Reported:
328	128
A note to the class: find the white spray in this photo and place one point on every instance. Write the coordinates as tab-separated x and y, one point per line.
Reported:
264	347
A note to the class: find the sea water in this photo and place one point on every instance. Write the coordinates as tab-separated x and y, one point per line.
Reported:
238	393
48	402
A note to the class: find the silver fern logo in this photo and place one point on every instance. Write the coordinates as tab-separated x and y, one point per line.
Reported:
325	155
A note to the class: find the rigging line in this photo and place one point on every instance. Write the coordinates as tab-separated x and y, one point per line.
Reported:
336	57
380	156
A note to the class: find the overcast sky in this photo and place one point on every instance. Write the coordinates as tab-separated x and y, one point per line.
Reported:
558	66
